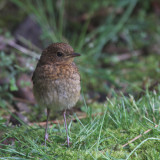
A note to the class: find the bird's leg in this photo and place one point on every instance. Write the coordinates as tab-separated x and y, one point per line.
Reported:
46	134
64	115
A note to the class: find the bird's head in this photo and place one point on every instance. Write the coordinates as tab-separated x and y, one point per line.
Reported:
58	53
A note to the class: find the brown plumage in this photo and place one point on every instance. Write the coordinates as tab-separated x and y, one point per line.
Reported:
56	80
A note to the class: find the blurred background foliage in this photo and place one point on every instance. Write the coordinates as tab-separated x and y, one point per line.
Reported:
118	41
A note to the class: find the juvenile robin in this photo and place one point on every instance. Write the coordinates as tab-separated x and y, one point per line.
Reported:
56	80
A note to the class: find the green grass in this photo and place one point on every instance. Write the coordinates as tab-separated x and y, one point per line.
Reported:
98	137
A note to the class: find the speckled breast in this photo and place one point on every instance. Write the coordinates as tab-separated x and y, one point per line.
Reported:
58	93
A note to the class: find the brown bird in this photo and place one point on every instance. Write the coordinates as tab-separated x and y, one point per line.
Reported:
56	80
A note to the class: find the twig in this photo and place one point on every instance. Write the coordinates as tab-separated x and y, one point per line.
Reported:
28	44
13	44
22	49
127	56
138	137
55	121
62	121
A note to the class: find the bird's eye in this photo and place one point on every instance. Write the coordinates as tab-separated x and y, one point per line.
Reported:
59	54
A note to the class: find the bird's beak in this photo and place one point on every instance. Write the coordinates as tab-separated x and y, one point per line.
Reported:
74	55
